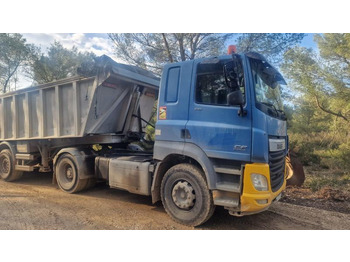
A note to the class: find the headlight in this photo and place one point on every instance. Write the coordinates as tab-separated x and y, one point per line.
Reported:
259	182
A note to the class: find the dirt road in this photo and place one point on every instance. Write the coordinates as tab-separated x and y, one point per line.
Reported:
34	203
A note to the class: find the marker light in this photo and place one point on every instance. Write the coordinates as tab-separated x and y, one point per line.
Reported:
231	49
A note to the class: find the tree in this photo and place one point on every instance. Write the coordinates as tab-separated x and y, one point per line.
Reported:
272	46
321	82
15	53
152	51
59	63
323	79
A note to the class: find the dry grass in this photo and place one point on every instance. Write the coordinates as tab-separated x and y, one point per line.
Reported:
317	179
323	189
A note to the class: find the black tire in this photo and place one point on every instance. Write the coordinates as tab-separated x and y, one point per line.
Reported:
177	195
67	175
7	167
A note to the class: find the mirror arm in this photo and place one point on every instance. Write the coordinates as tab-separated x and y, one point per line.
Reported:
242	112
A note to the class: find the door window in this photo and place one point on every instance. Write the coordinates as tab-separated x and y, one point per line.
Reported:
211	87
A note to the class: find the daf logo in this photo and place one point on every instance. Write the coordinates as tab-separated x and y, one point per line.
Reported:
239	147
276	145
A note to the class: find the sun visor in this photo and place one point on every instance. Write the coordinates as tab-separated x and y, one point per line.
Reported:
268	72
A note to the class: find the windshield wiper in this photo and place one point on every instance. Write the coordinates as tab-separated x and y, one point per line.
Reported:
277	110
270	105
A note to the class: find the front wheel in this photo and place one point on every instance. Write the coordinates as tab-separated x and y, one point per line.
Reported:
185	195
67	175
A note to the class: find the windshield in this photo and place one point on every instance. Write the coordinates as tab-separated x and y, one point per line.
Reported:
267	83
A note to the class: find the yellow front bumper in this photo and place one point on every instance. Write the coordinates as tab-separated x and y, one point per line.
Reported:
250	195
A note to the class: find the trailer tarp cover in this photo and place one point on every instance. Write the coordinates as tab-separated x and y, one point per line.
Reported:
107	64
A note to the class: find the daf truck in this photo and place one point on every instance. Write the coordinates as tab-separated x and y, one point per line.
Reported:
220	135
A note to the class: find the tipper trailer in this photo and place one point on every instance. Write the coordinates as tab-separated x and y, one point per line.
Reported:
220	135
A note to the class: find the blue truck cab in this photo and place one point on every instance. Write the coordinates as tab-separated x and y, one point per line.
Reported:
220	137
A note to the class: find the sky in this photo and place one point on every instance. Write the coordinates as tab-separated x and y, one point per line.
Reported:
98	43
308	41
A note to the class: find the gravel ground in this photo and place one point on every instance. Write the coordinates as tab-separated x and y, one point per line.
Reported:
35	203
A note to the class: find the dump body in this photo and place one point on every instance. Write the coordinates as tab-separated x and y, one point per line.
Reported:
103	104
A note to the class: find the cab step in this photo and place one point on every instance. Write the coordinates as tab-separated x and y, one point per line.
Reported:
226	202
230	187
227	170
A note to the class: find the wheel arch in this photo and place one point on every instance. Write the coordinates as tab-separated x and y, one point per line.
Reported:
9	146
170	154
84	159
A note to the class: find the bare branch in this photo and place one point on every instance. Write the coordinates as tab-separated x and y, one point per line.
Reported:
329	111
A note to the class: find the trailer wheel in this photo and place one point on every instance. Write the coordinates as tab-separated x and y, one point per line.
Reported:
7	167
185	195
67	175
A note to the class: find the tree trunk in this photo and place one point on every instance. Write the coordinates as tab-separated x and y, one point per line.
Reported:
180	39
167	49
194	46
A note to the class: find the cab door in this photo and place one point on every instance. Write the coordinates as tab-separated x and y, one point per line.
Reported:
212	124
173	102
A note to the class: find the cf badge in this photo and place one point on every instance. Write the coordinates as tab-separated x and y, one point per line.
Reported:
240	147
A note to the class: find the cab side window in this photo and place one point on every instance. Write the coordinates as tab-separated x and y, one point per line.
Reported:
211	87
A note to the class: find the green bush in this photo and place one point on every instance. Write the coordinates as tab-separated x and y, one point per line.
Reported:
304	147
321	180
321	148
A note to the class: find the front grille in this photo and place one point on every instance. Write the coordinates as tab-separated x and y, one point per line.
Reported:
277	166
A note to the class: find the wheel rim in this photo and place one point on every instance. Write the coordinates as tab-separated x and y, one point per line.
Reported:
66	174
5	165
183	195
69	173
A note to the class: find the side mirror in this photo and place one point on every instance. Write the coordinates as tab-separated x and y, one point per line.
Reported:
235	98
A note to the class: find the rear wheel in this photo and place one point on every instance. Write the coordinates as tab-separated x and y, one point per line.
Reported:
67	175
185	195
7	167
